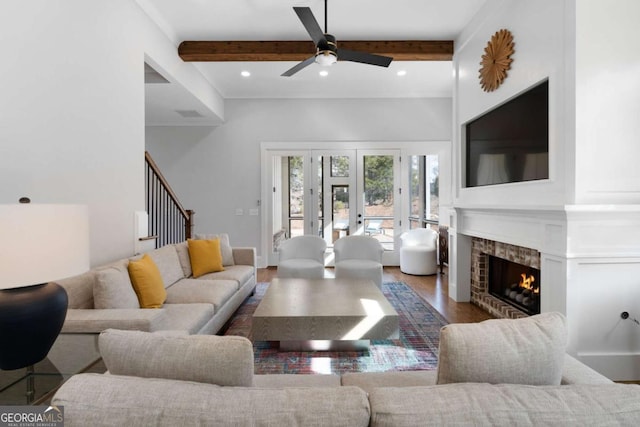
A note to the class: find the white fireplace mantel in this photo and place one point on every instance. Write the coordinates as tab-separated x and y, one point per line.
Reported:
590	270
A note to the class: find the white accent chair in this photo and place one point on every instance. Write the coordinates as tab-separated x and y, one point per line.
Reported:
418	252
358	257
302	257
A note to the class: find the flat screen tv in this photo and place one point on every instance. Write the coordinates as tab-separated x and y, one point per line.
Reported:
511	142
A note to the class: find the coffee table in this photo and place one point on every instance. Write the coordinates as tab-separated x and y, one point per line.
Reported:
324	314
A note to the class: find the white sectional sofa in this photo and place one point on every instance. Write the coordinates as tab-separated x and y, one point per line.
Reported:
155	379
103	297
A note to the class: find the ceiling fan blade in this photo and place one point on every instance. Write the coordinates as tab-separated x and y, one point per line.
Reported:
291	71
363	57
310	24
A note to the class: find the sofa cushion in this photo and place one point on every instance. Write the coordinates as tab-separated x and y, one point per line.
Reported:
147	282
187	317
168	263
238	273
370	380
113	288
94	399
506	405
212	292
296	380
95	321
205	256
226	361
530	350
225	246
182	249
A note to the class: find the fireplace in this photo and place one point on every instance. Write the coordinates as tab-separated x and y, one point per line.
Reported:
495	301
515	284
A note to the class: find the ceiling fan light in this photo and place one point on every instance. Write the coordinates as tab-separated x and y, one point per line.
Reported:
325	58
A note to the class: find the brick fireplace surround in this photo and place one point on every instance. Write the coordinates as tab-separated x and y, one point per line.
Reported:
480	251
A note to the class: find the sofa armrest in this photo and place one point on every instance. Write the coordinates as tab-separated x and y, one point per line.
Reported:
244	256
576	372
97	320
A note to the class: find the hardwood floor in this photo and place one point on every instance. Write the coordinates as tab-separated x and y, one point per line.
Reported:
433	289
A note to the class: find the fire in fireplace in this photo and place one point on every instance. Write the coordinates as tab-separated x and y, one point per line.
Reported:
515	284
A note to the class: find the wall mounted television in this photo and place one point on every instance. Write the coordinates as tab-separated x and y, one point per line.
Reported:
511	142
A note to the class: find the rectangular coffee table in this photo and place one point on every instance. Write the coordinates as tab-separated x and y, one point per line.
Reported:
324	314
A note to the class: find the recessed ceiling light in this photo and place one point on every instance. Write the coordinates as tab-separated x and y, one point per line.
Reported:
401	73
324	73
245	73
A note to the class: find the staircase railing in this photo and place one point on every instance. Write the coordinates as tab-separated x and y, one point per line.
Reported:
168	220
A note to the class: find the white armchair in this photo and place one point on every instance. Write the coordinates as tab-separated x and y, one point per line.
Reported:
302	257
358	257
418	252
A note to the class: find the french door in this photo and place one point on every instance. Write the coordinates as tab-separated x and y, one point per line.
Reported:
336	193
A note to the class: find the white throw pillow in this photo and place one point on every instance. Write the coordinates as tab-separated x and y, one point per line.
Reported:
182	249
225	246
113	289
517	351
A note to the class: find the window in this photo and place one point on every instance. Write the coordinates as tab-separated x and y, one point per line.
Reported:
423	191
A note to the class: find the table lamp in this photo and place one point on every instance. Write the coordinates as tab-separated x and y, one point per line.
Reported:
38	244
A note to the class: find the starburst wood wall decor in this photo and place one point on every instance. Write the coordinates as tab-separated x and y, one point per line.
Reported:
496	60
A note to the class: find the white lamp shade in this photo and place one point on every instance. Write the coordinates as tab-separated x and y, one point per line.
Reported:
42	243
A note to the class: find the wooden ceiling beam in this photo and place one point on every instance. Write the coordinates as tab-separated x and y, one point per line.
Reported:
399	50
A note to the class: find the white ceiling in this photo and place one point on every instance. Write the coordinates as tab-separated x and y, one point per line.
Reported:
276	20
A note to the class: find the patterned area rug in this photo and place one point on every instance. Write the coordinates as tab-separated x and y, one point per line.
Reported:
417	348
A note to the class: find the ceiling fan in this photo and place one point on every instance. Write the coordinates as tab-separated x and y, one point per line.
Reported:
327	51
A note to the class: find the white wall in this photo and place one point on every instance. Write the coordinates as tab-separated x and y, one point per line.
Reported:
607	101
216	170
72	109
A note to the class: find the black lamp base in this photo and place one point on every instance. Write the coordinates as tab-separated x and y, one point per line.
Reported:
30	320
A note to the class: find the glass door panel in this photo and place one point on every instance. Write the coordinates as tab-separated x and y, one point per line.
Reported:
337	191
295	175
319	199
377	210
340	211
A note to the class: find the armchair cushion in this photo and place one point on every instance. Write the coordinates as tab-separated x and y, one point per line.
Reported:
358	257
521	351
226	361
302	257
418	253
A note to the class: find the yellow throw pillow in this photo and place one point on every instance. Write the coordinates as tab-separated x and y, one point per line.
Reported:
147	282
205	256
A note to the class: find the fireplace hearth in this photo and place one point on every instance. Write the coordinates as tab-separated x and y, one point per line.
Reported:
515	284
